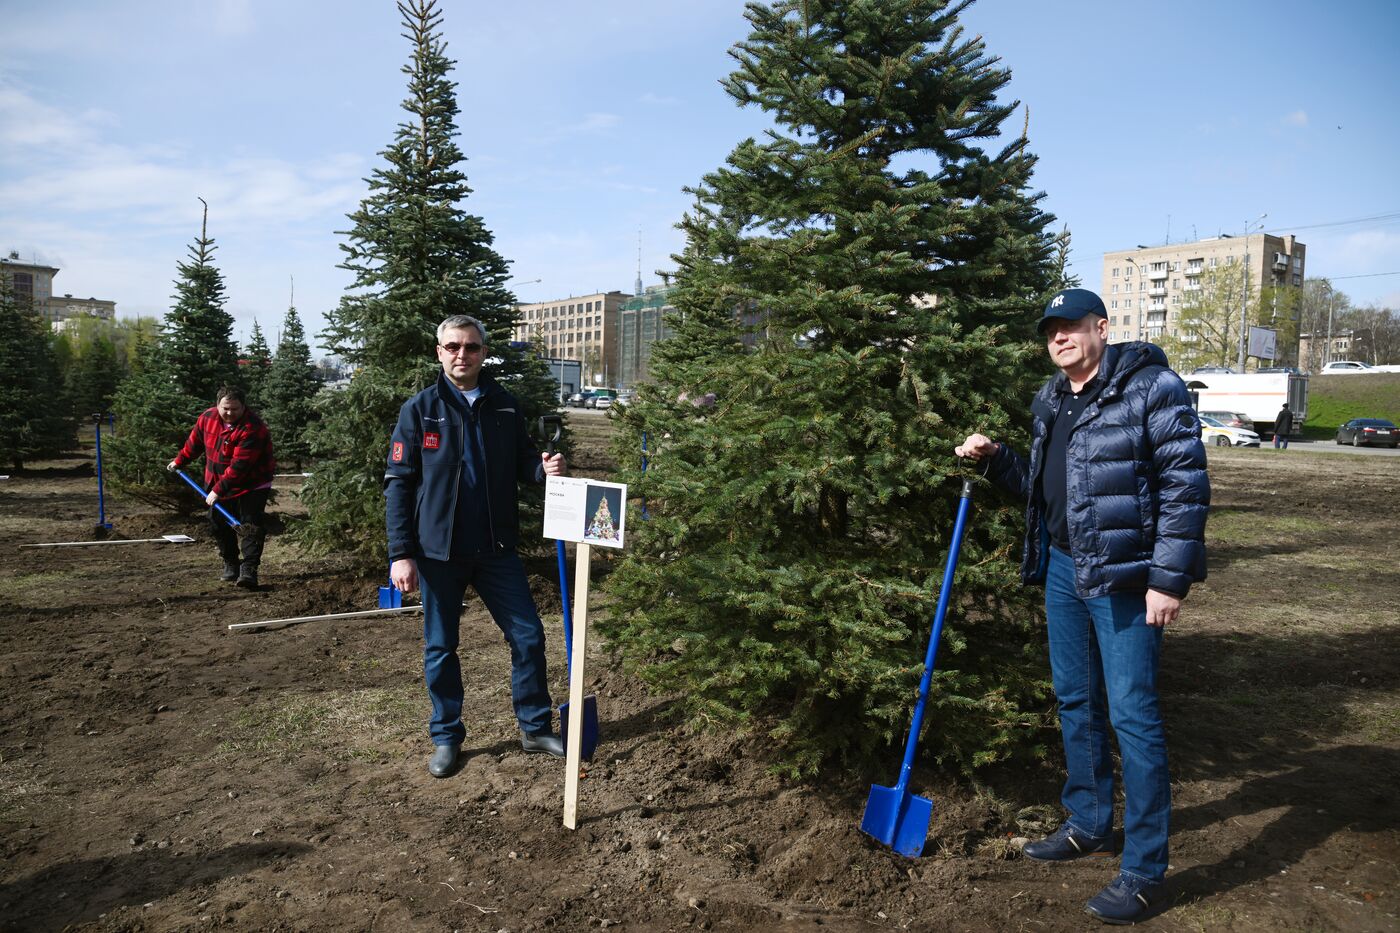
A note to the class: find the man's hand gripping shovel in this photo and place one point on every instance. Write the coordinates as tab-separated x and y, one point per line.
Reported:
243	528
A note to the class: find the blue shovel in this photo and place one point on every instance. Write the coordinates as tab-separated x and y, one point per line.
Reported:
589	743
894	816
234	523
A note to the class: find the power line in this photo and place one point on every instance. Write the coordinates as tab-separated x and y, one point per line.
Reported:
1377	218
1366	275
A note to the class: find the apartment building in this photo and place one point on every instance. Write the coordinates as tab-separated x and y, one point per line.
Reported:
640	324
582	328
33	282
1145	288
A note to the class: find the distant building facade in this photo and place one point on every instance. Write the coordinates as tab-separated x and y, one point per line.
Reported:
1145	289
33	282
582	328
640	324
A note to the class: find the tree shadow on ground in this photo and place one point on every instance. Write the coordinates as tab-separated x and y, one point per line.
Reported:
79	891
1317	800
1283	711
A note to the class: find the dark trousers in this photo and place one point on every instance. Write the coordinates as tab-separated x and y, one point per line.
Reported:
250	509
501	583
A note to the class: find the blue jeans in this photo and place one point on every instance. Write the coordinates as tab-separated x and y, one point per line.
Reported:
1103	657
1280	440
501	584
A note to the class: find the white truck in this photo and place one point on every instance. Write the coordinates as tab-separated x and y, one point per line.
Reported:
1259	396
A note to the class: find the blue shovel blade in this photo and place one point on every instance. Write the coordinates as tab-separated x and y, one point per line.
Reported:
588	744
897	818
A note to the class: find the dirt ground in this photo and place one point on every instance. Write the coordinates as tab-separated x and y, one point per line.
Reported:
160	773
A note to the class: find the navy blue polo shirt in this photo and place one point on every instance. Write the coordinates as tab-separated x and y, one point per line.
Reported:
1054	478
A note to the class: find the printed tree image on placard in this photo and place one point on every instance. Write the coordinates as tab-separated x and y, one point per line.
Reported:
601	527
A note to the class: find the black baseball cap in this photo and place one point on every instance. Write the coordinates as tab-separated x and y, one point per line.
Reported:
1071	304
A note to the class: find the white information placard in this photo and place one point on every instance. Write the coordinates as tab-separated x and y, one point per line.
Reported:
589	511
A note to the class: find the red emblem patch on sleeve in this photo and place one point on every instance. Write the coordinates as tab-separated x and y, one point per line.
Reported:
397	455
431	439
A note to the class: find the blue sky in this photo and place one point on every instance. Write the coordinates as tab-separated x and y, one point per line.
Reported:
582	122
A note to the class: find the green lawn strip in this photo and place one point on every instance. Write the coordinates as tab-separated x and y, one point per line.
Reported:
1335	400
355	724
1225	526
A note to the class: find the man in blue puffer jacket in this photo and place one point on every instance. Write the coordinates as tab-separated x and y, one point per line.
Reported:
455	458
1116	497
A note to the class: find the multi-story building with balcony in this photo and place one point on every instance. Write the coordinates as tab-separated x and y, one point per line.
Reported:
582	328
33	282
1146	288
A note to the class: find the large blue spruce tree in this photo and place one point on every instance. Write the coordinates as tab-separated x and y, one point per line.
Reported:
857	291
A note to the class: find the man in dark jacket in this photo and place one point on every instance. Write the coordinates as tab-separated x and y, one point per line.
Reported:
238	468
1283	426
1116	496
458	450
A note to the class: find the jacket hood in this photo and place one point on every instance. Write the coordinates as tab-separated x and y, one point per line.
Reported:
1121	360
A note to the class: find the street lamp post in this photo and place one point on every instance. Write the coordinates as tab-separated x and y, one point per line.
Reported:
1137	312
1327	348
1257	223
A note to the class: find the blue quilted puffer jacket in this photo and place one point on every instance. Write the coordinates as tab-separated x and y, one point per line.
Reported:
1136	474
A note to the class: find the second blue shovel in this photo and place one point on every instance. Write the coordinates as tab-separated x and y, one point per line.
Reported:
550	428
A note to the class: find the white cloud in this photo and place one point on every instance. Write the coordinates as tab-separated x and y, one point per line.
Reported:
592	123
83	179
28	123
1296	118
233	17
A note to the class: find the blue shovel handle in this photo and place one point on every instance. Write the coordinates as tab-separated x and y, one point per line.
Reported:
233	522
964	504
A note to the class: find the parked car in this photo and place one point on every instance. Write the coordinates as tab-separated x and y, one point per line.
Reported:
1222	435
1347	366
602	401
1212	369
625	398
1360	432
1282	369
598	395
1231	419
579	399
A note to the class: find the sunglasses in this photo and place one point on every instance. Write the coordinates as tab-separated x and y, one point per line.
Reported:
454	348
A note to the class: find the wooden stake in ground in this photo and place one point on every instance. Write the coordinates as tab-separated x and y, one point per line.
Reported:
573	743
297	620
163	539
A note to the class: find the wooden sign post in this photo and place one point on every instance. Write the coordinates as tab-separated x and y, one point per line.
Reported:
591	513
573	742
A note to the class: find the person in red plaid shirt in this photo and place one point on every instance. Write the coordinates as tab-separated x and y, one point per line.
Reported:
238	469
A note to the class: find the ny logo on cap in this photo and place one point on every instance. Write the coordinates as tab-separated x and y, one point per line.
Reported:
1059	300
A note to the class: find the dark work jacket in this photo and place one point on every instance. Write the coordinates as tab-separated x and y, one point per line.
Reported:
424	471
1137	489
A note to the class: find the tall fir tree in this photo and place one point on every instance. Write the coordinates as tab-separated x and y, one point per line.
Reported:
175	378
887	262
256	362
197	340
289	393
35	421
417	257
